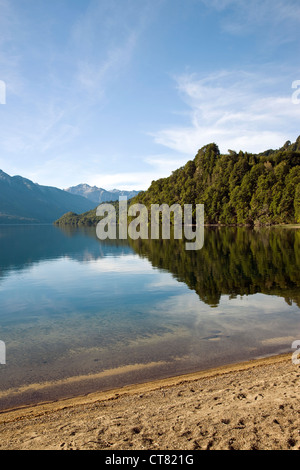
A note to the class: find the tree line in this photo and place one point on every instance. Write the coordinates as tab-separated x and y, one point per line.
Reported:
236	188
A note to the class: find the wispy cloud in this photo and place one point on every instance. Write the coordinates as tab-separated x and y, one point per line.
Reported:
165	163
244	17
135	180
7	21
63	99
105	39
10	56
237	110
94	77
153	167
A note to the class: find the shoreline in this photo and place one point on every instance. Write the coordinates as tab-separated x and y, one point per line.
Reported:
56	223
247	405
148	386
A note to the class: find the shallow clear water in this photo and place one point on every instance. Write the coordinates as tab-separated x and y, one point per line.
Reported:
79	315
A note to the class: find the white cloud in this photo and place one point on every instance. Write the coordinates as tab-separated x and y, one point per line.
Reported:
58	107
237	110
164	164
159	166
126	181
130	264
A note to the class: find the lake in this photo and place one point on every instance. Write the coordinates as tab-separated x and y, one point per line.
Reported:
80	315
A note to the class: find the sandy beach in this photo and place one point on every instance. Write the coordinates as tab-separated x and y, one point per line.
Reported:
253	405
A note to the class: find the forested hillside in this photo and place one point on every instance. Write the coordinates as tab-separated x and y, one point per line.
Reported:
87	219
236	188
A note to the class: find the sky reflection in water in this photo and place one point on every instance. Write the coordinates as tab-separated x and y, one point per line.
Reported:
74	306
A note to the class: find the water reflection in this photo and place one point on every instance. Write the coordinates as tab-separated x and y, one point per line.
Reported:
22	246
233	261
131	311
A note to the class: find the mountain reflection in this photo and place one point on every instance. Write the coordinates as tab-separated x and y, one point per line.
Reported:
22	246
233	261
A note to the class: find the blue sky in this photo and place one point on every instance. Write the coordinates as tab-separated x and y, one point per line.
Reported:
116	93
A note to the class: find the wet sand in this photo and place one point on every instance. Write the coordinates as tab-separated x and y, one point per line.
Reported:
253	405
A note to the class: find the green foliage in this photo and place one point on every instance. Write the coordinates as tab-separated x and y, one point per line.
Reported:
297	203
233	261
236	188
87	219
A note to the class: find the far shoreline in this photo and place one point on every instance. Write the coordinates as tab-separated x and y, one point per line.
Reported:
56	224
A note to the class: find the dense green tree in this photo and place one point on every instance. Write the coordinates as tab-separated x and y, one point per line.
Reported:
233	261
235	188
297	203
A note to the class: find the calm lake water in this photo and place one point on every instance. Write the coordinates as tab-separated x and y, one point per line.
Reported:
79	315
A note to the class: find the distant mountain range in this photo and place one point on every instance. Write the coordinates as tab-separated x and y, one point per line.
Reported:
236	188
99	195
24	202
